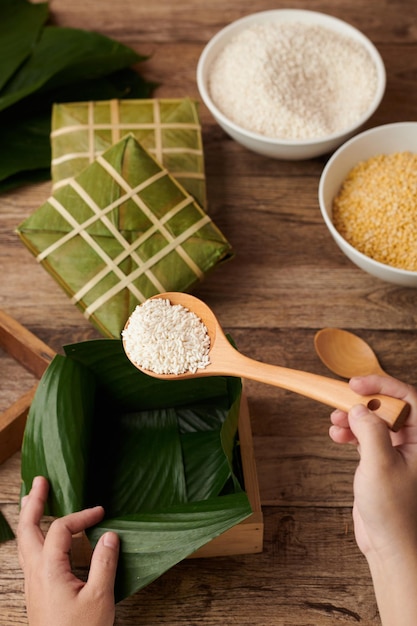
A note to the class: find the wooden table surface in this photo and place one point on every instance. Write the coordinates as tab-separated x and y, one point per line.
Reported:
287	281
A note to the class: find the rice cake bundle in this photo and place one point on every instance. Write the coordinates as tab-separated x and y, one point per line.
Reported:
169	129
121	231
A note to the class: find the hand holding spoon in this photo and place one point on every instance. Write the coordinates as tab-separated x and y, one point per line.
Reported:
227	361
346	354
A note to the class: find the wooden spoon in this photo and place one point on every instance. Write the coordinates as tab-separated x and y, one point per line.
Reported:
346	354
227	361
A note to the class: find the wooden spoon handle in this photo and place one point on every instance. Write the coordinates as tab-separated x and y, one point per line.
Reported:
334	393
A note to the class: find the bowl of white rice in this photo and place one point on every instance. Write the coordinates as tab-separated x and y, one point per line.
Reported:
291	84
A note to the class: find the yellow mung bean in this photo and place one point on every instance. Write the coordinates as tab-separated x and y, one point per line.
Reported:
375	209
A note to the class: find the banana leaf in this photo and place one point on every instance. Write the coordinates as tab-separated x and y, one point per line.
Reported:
26	140
121	231
158	455
41	65
6	533
65	55
160	538
20	26
24	178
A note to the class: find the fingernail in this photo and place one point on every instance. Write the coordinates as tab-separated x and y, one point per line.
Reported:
37	481
358	411
23	501
110	540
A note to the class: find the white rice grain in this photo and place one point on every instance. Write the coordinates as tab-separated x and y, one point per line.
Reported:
293	80
166	338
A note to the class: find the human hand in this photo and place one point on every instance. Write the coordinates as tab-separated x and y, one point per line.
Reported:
385	496
54	596
385	485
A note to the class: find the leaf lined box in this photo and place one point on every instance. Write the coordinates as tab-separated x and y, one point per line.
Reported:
161	456
245	537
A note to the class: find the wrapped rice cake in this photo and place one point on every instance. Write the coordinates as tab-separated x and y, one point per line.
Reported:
169	129
120	231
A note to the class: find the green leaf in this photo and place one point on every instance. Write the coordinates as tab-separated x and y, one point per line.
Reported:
152	543
25	144
125	83
40	65
207	433
6	533
57	436
24	178
63	56
150	437
207	484
157	454
20	25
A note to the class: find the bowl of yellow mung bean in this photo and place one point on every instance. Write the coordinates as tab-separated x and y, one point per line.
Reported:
368	200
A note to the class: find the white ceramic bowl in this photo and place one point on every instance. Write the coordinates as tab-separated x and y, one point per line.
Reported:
284	148
387	139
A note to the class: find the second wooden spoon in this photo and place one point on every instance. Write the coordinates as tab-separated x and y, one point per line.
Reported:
346	354
227	361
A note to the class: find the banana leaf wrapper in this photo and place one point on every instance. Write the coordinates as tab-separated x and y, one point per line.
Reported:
160	456
169	129
121	231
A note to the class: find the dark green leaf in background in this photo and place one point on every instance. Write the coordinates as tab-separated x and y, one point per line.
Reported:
26	143
40	65
63	56
20	179
21	23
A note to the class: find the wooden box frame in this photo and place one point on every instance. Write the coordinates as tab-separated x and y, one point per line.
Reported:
35	355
